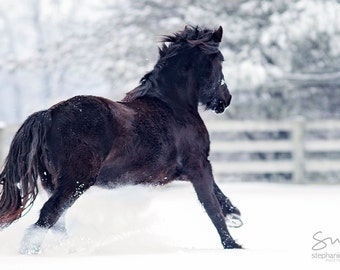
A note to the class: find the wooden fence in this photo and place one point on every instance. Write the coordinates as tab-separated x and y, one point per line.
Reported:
300	145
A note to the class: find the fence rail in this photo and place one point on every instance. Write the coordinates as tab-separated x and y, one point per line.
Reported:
299	144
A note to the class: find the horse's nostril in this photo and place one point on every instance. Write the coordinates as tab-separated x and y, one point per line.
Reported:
220	106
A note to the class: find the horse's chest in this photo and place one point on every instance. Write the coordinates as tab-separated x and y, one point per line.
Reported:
192	141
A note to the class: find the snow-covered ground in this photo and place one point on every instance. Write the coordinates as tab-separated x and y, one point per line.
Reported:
166	228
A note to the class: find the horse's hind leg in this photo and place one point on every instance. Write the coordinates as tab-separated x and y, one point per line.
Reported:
78	173
67	192
48	184
230	212
60	226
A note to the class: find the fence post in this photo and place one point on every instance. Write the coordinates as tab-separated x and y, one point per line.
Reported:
298	139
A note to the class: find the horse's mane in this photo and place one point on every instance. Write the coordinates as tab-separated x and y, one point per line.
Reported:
191	36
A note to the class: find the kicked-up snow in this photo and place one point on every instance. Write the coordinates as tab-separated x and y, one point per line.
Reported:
165	227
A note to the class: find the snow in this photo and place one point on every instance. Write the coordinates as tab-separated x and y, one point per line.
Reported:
163	228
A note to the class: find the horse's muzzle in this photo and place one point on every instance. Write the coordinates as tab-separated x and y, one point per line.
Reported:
219	105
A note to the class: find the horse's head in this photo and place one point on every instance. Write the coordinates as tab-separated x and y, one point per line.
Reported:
189	71
213	91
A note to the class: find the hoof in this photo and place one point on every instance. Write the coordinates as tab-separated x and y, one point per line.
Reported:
33	238
232	245
29	250
233	220
233	210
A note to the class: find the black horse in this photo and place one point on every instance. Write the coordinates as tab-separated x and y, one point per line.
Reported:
153	136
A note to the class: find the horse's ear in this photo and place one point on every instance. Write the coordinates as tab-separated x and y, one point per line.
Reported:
217	35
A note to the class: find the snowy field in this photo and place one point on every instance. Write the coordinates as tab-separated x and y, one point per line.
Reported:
166	228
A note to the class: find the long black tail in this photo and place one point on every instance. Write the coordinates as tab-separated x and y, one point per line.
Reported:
18	180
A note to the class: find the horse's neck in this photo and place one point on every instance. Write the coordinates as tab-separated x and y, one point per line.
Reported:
179	91
179	98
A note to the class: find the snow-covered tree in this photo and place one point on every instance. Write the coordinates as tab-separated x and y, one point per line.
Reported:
281	56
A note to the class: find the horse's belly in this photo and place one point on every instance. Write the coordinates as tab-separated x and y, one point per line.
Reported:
112	176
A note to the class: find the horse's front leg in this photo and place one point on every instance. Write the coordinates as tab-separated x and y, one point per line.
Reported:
203	183
231	213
